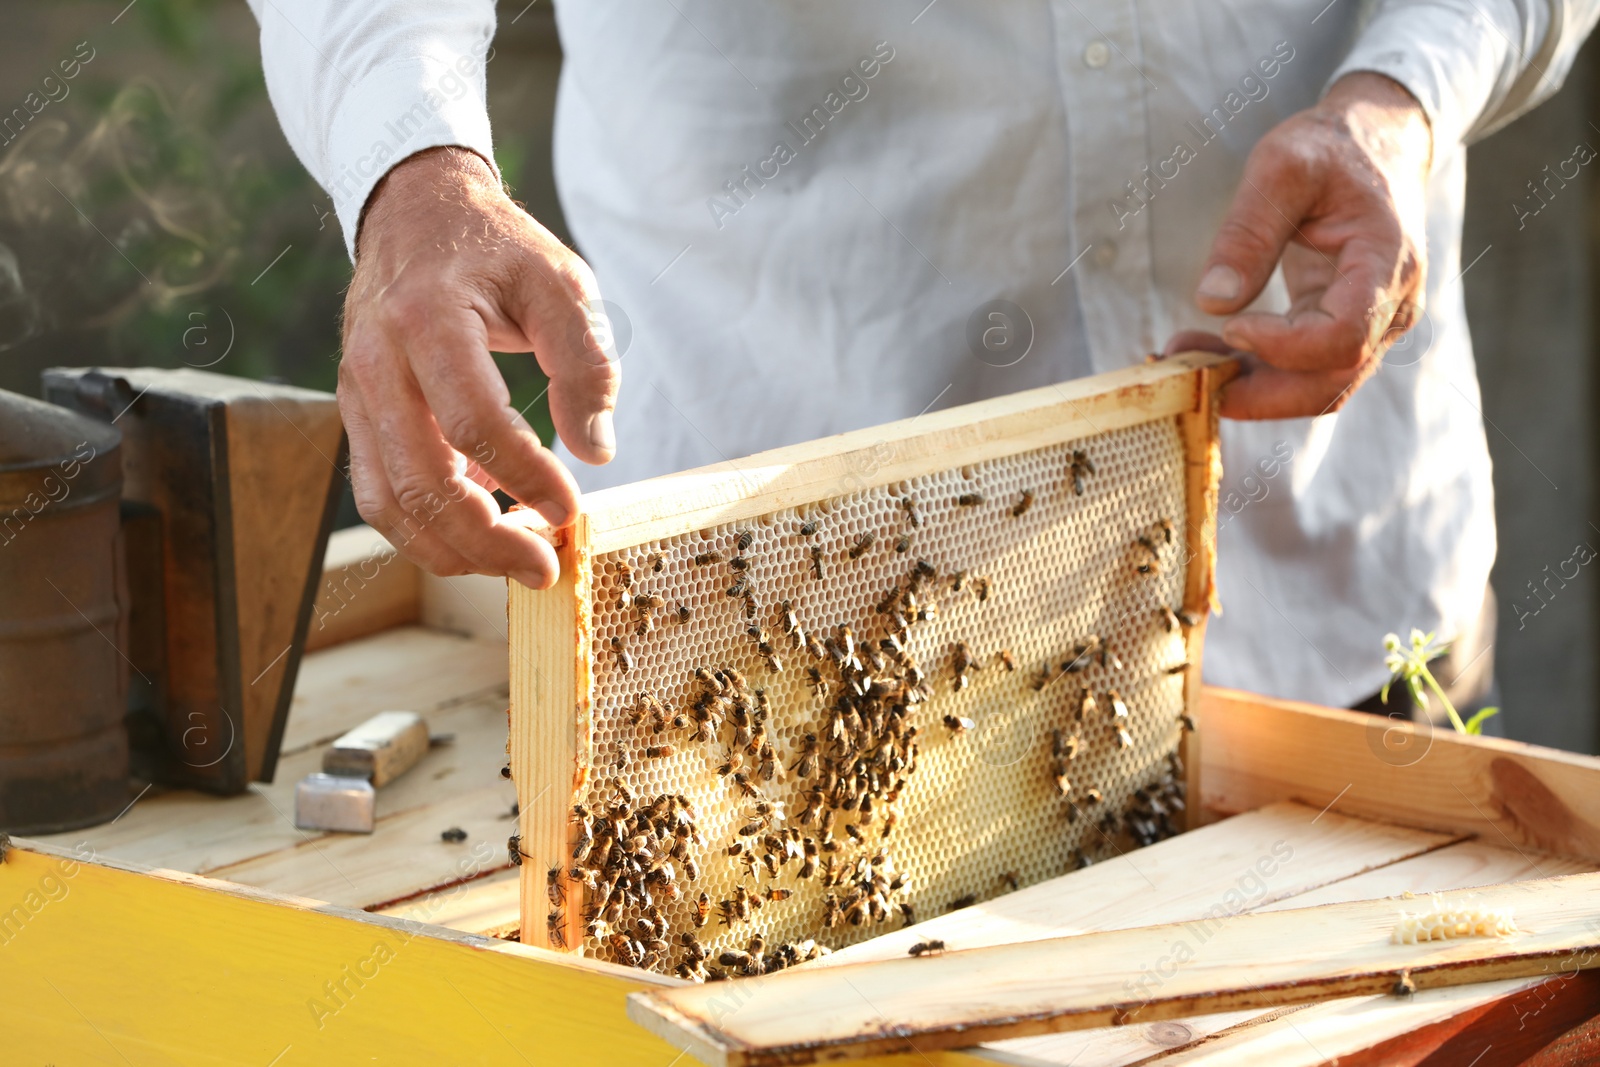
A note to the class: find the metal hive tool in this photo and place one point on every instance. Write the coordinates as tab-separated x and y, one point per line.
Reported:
992	565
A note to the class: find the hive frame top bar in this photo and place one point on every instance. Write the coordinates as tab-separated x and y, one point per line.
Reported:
881	455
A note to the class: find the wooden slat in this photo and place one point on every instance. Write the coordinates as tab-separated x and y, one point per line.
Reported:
1458	866
1203	475
938	440
367	587
1259	751
550	726
1257	960
103	967
409	669
488	906
1245	862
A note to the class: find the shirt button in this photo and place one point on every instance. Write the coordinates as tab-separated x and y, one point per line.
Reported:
1105	253
1096	55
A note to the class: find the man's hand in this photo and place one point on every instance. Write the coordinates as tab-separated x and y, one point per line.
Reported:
448	270
1337	191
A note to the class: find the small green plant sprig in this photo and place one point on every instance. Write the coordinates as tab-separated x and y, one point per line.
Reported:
1411	667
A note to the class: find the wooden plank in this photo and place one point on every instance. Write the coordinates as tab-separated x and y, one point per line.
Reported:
550	726
367	587
1458	866
1257	960
1259	751
262	979
473	605
1243	863
410	667
938	440
198	833
489	906
282	442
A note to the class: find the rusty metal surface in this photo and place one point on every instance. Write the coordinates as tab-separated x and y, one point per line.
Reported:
63	746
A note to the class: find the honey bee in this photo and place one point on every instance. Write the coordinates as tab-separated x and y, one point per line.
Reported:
702	909
1178	668
908	504
1086	704
1046	675
963	902
958	724
1169	618
787	617
808	527
980	586
706	559
684	614
1165	526
743	540
625	600
806	765
740	587
1006	659
750	609
830	911
908	914
553	885
1093	795
742	781
775	896
624	574
514	849
655	561
739	563
969	500
863	542
624	659
1010	878
816	563
645	625
902	544
1119	710
926	948
1187	722
1189	619
1124	738
555	925
1063	784
1151	564
505	772
1021	507
659	751
1081	465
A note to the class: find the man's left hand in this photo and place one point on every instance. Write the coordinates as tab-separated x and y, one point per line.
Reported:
1338	193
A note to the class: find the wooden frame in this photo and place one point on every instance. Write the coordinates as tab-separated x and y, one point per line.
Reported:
548	629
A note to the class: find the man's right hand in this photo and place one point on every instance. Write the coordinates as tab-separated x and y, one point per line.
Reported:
448	270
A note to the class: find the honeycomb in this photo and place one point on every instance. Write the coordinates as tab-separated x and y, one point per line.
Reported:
980	811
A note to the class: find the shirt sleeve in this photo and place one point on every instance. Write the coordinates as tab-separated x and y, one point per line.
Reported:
1474	65
358	87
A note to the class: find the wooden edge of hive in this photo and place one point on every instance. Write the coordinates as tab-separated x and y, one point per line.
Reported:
675	504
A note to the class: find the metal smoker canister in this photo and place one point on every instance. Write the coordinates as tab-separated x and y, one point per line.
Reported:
63	745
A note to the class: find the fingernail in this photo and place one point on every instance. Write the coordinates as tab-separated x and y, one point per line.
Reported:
1235	339
553	513
1219	283
603	431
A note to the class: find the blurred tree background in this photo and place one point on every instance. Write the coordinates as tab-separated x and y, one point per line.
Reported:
151	212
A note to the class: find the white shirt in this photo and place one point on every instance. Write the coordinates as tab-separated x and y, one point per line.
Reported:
799	208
